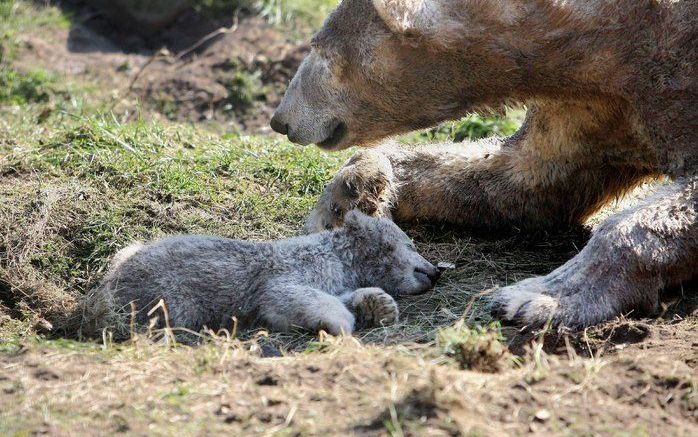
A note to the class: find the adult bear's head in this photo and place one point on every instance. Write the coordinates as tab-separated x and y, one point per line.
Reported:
383	67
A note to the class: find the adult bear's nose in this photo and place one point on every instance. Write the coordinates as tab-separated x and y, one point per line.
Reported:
278	124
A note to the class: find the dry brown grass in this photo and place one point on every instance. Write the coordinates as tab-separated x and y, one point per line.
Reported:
28	219
343	387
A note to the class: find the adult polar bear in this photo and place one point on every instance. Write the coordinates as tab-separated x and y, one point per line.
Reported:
611	88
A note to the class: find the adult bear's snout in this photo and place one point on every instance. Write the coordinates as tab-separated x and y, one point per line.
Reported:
278	124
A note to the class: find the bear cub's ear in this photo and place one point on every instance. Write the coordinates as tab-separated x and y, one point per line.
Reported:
357	221
410	17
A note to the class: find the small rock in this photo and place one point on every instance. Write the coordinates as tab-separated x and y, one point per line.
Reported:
443	265
542	415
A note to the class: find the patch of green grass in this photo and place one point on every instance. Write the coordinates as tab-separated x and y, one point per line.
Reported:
177	395
10	347
307	12
312	12
19	17
16	88
39	97
176	161
244	89
67	345
21	14
470	128
217	7
476	126
473	347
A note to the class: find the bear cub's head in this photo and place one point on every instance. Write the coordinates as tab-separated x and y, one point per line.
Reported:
385	257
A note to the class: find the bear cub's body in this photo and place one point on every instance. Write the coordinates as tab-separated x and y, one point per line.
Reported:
321	281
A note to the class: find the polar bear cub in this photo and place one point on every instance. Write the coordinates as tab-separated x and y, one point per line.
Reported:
330	280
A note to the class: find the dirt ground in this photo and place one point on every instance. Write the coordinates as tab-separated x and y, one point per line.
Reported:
641	380
630	376
231	72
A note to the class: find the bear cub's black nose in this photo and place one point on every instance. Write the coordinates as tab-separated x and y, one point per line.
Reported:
431	272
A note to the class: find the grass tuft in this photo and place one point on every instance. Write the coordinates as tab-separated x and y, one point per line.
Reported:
474	348
35	86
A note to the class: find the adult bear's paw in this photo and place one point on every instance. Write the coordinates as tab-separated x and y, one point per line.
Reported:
585	291
526	303
365	182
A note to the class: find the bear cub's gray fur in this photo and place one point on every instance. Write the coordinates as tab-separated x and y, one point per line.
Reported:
324	281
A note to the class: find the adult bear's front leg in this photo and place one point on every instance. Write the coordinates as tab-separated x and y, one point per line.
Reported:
488	184
391	179
629	260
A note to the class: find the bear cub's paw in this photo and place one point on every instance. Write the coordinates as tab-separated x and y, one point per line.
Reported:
374	307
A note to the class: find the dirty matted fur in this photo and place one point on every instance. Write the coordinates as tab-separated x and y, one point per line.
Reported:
611	87
321	281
